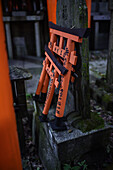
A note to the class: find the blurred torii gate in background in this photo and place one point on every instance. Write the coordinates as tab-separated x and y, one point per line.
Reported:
52	5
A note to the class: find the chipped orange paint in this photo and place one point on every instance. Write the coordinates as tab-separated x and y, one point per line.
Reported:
9	147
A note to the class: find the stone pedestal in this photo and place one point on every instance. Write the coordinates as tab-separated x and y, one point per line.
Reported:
58	148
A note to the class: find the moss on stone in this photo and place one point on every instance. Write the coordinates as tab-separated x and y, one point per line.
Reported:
95	122
107	97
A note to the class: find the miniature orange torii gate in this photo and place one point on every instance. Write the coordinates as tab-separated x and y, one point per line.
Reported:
61	61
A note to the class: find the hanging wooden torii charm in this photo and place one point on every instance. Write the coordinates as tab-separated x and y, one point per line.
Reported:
58	62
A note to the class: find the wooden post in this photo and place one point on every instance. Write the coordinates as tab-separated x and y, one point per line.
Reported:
69	14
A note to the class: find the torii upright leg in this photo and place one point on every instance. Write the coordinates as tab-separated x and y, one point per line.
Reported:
50	93
50	45
44	78
58	124
49	97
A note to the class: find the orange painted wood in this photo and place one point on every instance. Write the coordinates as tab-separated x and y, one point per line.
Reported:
51	7
88	3
42	77
50	93
50	73
58	50
69	60
45	84
73	58
61	42
10	158
73	61
66	35
56	68
56	83
64	82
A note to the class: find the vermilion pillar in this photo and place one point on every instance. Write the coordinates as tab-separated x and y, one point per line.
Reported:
88	2
9	147
51	7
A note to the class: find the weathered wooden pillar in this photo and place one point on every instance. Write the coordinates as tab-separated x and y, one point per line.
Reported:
110	53
70	14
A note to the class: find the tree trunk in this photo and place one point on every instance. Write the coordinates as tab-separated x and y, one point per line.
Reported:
110	54
74	13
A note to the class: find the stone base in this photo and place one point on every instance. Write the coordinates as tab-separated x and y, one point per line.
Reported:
58	148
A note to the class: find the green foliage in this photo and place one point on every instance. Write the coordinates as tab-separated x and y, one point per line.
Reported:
107	97
108	148
83	164
77	167
38	168
28	96
67	167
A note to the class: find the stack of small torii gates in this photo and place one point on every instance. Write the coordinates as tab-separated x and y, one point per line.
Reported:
61	59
